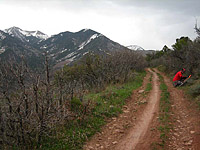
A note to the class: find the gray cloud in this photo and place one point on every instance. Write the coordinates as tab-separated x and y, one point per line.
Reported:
148	23
186	6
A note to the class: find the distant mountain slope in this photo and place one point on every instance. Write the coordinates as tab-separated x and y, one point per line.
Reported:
145	52
63	48
31	37
140	50
13	48
69	46
135	47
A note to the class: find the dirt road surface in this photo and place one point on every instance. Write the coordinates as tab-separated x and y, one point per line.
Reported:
137	133
185	134
136	127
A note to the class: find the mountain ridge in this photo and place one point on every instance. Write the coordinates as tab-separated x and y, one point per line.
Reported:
70	46
26	36
62	48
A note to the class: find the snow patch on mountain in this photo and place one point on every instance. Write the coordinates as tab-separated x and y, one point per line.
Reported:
85	53
135	47
89	40
84	30
63	50
69	58
21	34
72	59
70	55
2	36
40	35
2	50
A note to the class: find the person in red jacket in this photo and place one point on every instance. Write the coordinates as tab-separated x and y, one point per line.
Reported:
178	78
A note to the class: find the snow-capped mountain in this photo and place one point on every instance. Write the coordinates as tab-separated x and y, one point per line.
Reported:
135	47
26	36
13	48
139	50
63	48
70	46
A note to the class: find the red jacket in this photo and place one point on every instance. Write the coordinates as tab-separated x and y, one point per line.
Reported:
178	76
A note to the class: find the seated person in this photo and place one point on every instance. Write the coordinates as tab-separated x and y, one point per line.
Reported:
178	78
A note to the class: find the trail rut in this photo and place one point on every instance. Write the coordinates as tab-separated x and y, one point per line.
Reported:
137	133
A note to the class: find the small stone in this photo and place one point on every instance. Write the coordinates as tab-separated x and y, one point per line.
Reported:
90	147
115	142
176	134
126	107
101	147
97	145
126	111
192	132
189	143
175	129
121	131
140	91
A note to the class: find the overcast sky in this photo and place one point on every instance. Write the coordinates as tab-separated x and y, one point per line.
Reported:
150	24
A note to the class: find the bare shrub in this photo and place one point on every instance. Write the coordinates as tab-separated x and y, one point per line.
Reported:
33	104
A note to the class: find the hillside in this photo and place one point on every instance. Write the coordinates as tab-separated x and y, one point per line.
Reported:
68	46
12	48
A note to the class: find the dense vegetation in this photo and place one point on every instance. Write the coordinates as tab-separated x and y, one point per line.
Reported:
49	109
185	53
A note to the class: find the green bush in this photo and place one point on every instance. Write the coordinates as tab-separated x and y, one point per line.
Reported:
195	90
75	104
162	68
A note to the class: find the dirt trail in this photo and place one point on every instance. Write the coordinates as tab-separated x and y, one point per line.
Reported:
136	127
186	121
137	133
130	128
